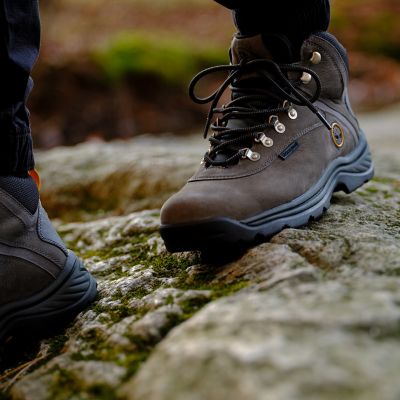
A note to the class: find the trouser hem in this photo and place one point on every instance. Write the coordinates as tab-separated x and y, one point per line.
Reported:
16	153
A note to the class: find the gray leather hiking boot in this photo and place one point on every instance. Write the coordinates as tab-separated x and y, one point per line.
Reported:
42	284
279	150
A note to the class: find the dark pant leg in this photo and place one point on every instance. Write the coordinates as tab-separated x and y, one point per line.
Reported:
296	19
19	47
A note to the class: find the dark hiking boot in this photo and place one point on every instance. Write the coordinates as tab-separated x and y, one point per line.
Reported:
280	148
42	284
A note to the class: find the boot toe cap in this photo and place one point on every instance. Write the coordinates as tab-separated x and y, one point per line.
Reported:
197	202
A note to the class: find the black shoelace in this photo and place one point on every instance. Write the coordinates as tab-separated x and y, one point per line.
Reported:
250	103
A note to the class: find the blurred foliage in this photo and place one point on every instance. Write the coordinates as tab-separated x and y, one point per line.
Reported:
370	26
367	26
118	69
170	58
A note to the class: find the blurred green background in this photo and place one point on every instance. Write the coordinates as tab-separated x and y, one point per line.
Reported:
119	69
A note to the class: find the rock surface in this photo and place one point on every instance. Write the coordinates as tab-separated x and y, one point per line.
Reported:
314	314
98	179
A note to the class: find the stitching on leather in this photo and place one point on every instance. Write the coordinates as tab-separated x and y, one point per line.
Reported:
45	238
18	245
29	261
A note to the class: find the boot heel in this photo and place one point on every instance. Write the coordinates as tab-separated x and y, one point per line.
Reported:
357	173
70	294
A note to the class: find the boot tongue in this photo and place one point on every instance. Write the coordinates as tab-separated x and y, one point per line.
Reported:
268	47
273	47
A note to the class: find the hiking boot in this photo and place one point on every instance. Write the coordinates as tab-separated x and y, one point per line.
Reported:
42	284
286	141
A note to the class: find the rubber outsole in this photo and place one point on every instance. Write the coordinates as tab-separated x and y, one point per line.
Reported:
344	174
72	292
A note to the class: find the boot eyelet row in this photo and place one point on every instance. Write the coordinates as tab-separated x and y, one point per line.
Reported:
264	140
279	127
315	59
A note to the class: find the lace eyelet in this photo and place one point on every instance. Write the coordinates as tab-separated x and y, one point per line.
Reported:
279	127
264	140
316	58
337	134
251	155
306	78
291	112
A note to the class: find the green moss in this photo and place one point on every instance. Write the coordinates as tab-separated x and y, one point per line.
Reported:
191	307
57	345
134	361
131	360
29	355
163	266
168	58
228	290
371	189
168	270
170	265
65	386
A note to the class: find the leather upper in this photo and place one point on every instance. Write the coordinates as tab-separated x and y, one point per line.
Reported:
243	190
